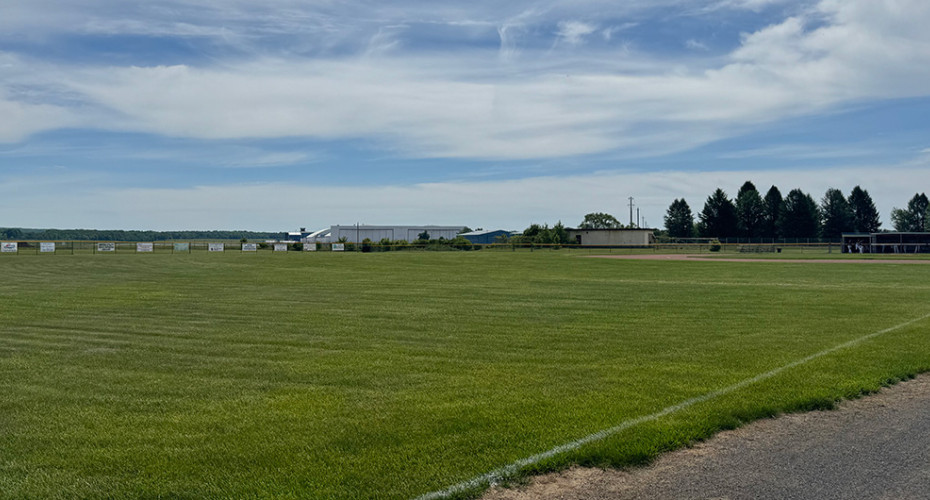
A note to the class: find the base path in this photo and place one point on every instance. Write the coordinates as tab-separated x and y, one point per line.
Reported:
709	258
872	448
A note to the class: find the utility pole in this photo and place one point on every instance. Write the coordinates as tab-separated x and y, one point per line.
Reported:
631	211
637	218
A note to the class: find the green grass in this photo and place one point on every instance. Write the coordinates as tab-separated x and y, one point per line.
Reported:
392	375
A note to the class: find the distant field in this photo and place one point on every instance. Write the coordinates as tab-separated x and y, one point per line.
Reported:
392	375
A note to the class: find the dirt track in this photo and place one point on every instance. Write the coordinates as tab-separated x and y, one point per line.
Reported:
708	258
871	448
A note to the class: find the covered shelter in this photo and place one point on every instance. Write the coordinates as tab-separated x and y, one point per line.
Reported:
890	242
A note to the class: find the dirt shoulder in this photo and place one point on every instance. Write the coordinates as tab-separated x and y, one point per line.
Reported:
870	448
712	258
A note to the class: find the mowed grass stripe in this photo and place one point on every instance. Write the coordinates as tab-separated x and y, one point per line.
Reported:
510	470
392	375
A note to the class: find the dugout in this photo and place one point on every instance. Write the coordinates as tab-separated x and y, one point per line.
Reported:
901	242
893	242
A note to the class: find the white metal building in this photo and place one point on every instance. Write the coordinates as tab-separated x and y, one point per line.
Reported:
358	233
611	237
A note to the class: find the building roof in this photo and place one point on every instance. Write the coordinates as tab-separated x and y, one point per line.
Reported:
486	231
611	229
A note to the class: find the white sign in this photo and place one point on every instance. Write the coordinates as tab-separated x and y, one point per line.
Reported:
47	247
309	247
145	247
106	247
182	247
250	247
9	247
280	247
216	247
339	247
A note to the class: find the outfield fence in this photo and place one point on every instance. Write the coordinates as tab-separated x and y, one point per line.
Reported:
187	247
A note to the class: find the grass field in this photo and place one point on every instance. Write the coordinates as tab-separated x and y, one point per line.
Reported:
398	374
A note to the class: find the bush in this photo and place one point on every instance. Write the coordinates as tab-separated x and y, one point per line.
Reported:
461	243
715	246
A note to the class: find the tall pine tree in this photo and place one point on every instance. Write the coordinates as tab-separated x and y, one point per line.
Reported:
771	211
750	211
718	219
679	221
800	217
835	214
864	214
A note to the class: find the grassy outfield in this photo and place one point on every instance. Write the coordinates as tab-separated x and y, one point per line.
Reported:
396	374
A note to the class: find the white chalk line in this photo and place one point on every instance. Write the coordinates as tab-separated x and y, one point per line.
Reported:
498	475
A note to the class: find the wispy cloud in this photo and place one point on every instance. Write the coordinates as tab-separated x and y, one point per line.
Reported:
696	45
574	32
465	105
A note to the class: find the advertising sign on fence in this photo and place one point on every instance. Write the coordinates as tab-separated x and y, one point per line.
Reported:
182	247
216	247
250	247
106	247
145	247
280	247
339	247
309	247
47	247
9	247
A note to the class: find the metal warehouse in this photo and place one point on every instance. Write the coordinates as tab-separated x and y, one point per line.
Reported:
486	237
358	233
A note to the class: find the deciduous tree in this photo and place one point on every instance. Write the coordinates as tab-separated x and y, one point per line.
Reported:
600	220
914	217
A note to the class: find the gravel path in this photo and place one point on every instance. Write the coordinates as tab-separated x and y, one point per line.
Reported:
877	447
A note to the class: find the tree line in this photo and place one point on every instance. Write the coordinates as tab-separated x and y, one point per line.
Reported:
121	235
796	215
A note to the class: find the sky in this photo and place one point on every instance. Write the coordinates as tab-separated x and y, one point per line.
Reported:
281	114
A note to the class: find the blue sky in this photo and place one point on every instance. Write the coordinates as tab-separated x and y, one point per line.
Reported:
235	114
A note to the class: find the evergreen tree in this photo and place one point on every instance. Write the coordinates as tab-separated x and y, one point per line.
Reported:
771	210
864	214
914	217
679	220
750	211
718	219
835	214
799	217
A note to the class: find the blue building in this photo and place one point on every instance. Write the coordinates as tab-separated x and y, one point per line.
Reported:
486	237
